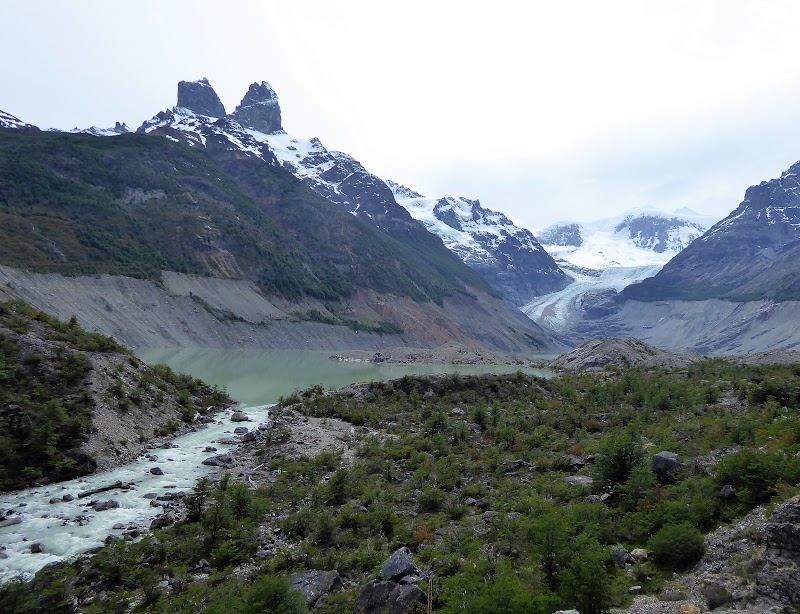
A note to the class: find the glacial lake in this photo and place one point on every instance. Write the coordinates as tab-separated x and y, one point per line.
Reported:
256	377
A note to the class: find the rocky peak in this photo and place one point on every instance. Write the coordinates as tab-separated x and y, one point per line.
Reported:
200	97
401	191
260	109
565	235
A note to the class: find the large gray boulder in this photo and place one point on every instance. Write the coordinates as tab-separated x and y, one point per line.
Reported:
400	564
220	460
200	97
665	464
379	596
314	584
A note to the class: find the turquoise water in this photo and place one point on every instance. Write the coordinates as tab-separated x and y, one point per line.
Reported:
256	377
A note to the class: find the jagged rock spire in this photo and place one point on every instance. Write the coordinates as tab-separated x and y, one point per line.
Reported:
260	109
200	97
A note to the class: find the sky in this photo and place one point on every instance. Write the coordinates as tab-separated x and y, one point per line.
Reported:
546	111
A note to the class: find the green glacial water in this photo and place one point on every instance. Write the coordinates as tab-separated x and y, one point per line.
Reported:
257	377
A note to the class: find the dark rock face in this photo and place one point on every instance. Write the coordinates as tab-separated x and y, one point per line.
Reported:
200	97
161	521
398	565
314	584
377	597
260	109
753	253
664	465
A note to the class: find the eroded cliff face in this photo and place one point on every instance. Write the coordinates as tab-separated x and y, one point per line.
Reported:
187	311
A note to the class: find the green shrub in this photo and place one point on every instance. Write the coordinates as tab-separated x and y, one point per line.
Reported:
677	546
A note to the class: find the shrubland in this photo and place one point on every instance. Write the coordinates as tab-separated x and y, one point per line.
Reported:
514	493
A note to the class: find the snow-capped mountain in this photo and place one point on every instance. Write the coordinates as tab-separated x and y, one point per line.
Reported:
509	257
640	237
606	256
752	253
10	121
116	130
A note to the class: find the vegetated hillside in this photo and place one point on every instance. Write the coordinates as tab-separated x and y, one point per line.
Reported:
754	253
72	401
134	205
510	492
137	205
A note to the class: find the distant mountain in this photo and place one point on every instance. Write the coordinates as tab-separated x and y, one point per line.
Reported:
10	121
754	253
116	130
640	237
509	257
733	290
606	256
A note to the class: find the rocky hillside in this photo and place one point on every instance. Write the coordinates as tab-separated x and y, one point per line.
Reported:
72	401
600	353
507	256
754	253
209	199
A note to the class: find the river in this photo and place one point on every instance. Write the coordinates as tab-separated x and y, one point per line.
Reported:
255	378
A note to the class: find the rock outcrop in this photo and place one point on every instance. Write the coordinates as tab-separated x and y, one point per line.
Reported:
314	584
260	109
629	352
200	97
396	591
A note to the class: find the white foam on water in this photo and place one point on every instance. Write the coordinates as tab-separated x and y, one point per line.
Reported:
66	529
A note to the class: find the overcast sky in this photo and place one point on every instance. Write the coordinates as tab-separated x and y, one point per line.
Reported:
543	110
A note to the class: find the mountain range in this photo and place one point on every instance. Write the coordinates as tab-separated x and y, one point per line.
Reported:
215	198
733	290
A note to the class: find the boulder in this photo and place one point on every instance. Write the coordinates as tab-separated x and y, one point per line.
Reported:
161	521
220	460
240	430
622	557
664	464
400	564
314	584
239	416
156	471
727	491
37	548
639	554
379	596
102	506
7	522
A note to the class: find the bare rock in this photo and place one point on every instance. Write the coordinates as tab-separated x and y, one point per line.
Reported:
400	564
314	584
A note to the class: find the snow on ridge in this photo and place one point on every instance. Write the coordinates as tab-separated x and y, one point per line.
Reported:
198	128
465	227
640	237
11	121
